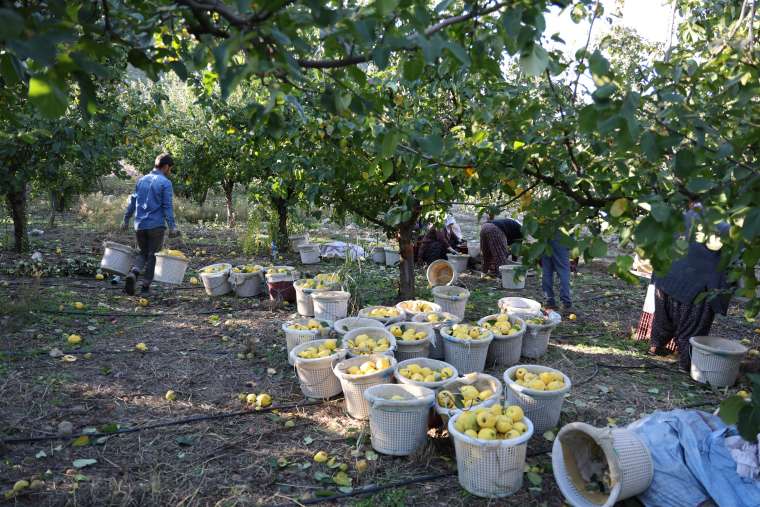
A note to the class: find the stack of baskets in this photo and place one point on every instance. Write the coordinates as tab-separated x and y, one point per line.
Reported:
295	337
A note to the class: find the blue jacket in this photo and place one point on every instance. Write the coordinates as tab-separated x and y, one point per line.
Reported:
696	272
152	202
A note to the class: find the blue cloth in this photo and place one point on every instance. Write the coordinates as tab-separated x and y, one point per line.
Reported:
691	462
152	202
558	262
696	272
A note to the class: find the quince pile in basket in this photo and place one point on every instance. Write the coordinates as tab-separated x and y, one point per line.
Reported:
325	349
468	332
404	333
370	367
364	345
425	374
544	381
311	325
502	325
493	423
467	396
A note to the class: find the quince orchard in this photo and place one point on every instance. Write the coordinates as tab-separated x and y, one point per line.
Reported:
370	367
544	381
408	333
502	326
468	332
493	423
364	345
325	349
419	374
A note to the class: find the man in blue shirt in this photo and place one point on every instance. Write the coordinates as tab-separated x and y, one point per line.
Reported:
151	204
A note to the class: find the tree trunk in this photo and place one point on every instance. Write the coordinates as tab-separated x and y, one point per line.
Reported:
16	201
228	187
281	238
406	266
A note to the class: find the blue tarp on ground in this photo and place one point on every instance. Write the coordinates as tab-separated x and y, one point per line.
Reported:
691	462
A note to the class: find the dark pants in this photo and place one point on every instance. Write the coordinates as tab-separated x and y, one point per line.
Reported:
149	241
680	321
558	262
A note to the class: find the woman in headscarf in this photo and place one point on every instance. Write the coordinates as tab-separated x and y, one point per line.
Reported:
496	238
438	242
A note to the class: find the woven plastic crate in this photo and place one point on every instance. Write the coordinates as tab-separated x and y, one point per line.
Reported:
364	313
316	376
408	349
398	427
459	261
343	326
510	279
373	332
217	283
520	307
424	362
504	350
466	355
542	407
715	361
536	338
330	304
445	319
118	258
354	385
451	299
628	461
490	468
295	337
411	307
481	381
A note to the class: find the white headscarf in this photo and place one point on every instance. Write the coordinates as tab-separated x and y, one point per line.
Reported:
452	225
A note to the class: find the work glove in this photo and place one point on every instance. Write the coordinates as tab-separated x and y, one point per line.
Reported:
174	233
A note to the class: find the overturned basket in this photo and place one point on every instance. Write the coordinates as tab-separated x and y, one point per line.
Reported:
581	451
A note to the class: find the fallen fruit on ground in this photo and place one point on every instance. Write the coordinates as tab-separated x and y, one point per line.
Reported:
321	457
170	395
141	347
143	302
74	339
79	305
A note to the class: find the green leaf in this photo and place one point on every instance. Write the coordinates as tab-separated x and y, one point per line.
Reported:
11	69
751	227
80	441
684	163
598	247
660	212
48	96
578	13
653	390
730	408
699	185
388	143
413	67
535	61
321	476
81	463
587	119
598	65
342	479
380	55
11	24
385	7
512	21
109	428
749	422
458	52
534	479
346	489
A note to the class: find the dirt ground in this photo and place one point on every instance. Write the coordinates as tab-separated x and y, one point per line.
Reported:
231	455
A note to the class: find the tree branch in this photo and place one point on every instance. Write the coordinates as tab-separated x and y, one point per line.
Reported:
552	181
566	139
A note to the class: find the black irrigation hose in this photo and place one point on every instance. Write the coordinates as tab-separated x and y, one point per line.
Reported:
176	422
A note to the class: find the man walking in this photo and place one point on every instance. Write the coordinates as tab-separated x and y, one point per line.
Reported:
151	204
557	260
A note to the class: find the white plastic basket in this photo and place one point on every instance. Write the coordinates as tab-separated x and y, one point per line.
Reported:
330	304
481	381
354	385
490	468
520	307
119	259
451	299
466	355
441	272
378	255
343	326
413	348
411	307
509	277
459	261
398	427
424	362
296	337
247	285
364	313
304	303
715	361
436	346
309	253
505	350
628	461
170	269
316	376
392	256
373	332
542	407
473	248
298	240
217	283
536	339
